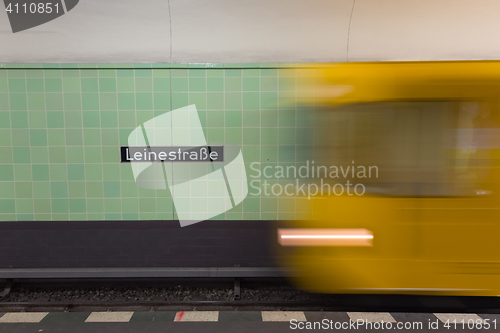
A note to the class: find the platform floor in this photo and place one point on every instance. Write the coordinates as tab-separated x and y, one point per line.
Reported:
244	322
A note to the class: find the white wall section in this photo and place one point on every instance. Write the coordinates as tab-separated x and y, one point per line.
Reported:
95	31
252	31
260	30
385	30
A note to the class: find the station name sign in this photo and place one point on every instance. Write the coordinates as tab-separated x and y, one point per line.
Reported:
132	154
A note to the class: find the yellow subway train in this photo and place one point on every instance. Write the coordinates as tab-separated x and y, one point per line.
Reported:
429	221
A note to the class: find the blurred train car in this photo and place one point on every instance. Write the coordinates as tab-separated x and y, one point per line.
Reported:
429	220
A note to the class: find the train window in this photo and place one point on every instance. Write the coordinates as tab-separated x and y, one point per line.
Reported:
420	148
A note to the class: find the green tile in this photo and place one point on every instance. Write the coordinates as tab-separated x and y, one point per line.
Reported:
269	84
22	172
73	119
41	189
179	100
125	84
269	100
147	205
75	155
215	101
90	85
251	118
42	206
33	85
143	72
161	101
112	206
69	73
7	206
199	99
109	119
106	72
215	118
60	205
5	137
164	73
110	137
7	190
92	137
76	189
74	137
126	101
17	85
57	155
215	73
6	172
56	137
59	189
39	154
40	172
20	137
233	100
215	84
232	72
108	101
90	101
233	118
21	154
251	84
125	73
233	84
161	84
72	102
4	102
95	205
180	84
4	119
4	85
251	136
93	154
5	155
91	119
234	135
197	84
58	172
107	85
144	101
54	102
37	119
269	136
77	205
127	118
129	189
111	188
94	189
36	101
19	119
111	171
143	84
251	100
71	85
38	137
76	172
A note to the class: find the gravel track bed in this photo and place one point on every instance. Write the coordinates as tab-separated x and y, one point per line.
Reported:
174	294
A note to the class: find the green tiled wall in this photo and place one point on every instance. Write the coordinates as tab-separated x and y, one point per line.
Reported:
61	126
